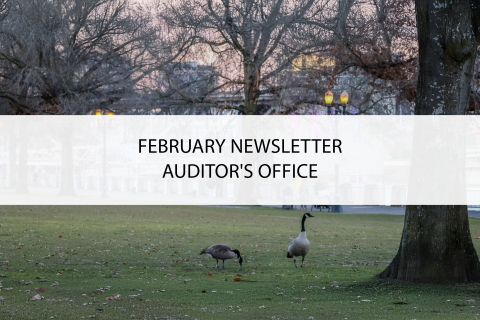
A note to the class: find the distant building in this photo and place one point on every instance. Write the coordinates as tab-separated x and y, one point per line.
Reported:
302	87
312	62
190	79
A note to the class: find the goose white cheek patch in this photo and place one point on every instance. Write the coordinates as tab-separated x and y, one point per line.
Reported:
230	160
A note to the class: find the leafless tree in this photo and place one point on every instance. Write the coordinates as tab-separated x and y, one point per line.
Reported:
251	41
374	47
69	56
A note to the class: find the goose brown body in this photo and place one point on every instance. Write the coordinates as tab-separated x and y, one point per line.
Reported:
222	252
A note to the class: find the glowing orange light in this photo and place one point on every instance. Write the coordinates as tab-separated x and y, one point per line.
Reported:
98	112
110	113
329	97
344	97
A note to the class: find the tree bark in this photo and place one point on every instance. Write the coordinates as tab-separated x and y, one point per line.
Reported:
252	87
344	7
475	4
436	245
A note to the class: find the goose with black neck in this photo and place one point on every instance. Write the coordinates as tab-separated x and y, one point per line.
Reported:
300	245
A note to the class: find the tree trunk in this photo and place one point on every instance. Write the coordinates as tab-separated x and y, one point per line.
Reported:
344	8
252	87
475	4
436	245
397	105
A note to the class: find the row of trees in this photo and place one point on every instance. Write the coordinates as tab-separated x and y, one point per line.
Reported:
72	56
295	50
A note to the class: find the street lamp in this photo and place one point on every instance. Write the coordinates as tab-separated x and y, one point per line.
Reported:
99	113
328	101
344	100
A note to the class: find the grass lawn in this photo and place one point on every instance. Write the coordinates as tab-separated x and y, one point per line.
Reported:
149	256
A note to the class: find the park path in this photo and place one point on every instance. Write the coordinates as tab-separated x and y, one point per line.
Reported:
358	209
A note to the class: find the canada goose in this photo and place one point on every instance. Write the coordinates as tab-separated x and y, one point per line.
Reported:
222	252
300	245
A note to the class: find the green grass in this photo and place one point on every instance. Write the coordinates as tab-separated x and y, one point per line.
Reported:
162	276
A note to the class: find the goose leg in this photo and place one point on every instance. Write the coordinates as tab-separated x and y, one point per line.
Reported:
303	258
223	264
217	263
295	262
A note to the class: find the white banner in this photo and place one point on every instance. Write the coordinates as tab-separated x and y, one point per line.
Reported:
228	160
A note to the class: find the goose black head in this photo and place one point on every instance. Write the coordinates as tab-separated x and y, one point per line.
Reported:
305	218
240	259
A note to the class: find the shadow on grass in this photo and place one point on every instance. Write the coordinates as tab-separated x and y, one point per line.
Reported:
380	286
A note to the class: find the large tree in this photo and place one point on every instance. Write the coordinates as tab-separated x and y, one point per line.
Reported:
254	41
436	245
